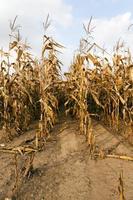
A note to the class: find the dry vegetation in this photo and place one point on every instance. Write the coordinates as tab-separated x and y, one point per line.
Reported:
97	87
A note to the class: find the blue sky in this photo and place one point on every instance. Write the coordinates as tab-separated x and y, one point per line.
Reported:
111	18
100	8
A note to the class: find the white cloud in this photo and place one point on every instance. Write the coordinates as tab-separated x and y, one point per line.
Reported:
34	9
32	14
109	30
67	56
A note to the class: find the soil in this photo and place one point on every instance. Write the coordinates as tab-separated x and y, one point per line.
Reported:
64	170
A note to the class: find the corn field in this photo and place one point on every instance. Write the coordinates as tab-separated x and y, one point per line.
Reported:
95	88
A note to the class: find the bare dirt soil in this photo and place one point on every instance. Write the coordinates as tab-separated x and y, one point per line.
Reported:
65	171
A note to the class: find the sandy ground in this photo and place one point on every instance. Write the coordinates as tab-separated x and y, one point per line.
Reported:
65	171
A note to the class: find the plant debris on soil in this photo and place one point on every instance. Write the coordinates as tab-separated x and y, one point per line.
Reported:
64	170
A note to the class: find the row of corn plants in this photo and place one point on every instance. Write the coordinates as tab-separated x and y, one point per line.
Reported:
101	86
28	87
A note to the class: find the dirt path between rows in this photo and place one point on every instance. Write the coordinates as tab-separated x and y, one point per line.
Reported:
65	171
